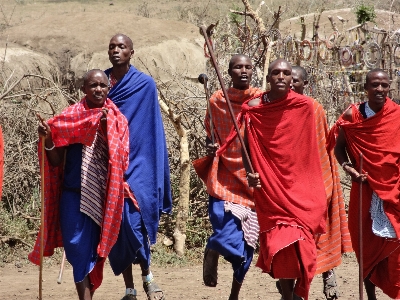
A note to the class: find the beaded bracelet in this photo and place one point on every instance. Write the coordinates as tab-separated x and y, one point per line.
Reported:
49	149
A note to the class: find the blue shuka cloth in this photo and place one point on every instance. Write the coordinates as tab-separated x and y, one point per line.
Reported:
80	234
132	245
228	239
148	173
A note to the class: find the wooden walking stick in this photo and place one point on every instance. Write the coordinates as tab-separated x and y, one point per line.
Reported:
41	219
360	238
222	83
60	274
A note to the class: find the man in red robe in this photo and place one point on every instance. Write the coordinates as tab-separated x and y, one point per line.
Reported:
372	128
86	155
290	195
336	240
231	205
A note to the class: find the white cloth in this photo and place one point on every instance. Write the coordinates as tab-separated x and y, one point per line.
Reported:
94	178
248	220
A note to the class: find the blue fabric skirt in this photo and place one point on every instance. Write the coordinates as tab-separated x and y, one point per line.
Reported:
228	239
132	246
80	234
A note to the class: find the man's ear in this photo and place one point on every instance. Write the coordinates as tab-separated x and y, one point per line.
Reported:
132	52
230	72
83	89
305	82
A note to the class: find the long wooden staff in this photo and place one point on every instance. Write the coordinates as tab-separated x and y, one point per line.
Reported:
41	219
222	83
360	237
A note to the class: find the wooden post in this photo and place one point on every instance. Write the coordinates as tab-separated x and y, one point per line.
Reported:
184	182
42	184
360	237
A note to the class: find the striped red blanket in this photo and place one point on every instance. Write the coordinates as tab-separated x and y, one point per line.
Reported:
225	176
336	240
78	124
376	138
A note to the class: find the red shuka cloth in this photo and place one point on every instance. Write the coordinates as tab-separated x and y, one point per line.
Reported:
284	151
336	240
225	176
78	124
377	139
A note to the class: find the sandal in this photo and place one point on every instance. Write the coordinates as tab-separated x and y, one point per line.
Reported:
331	289
129	297
152	289
210	267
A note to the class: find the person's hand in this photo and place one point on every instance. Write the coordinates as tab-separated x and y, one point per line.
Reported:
355	176
211	149
254	180
103	119
43	128
45	132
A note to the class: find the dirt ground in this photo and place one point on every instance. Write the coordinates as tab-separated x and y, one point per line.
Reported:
19	281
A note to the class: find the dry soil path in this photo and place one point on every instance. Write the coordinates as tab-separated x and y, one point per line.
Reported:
21	282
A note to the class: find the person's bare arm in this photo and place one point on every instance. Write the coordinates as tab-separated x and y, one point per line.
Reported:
342	155
55	155
252	178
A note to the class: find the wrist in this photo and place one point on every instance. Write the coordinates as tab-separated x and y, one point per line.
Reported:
49	145
346	165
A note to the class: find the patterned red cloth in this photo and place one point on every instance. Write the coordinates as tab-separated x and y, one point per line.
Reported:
284	151
377	138
227	176
336	240
78	124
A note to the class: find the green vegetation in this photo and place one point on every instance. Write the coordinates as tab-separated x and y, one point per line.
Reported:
365	13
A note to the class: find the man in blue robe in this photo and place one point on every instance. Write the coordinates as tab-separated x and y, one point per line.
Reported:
147	182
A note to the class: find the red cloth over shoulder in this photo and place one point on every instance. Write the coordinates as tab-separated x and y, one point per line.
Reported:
376	138
225	176
283	148
78	124
284	151
336	240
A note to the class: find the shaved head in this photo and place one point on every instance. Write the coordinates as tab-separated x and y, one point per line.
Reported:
126	38
373	71
90	73
276	62
235	58
301	71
